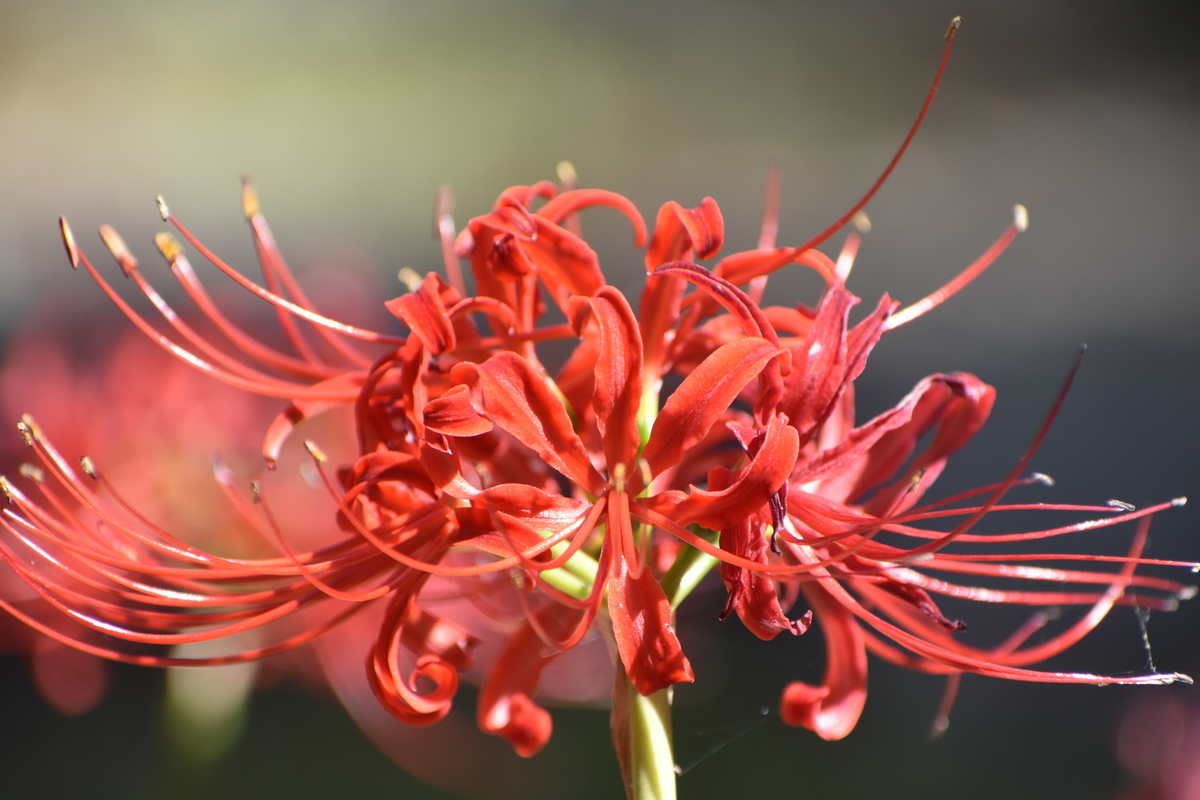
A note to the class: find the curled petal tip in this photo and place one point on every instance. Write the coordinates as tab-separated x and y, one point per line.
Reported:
955	24
163	211
34	473
566	174
168	245
120	251
315	451
1179	501
250	206
862	223
1043	478
69	242
1021	217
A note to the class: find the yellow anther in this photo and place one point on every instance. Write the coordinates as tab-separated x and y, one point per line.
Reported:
250	206
163	211
88	467
69	242
862	223
955	24
567	175
618	475
315	451
169	246
4	487
34	473
120	251
1021	217
410	278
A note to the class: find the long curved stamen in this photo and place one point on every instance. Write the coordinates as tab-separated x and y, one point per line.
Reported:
337	594
311	316
258	387
443	230
182	270
1020	468
951	32
276	273
431	568
290	643
1020	223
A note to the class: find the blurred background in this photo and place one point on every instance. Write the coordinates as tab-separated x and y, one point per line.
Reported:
349	116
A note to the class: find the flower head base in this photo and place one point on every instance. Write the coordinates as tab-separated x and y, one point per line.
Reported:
555	500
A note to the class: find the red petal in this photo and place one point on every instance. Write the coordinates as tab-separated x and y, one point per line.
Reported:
426	634
819	366
750	594
518	399
681	232
703	397
564	262
716	511
452	414
425	315
831	710
505	708
396	694
642	622
618	382
299	410
568	203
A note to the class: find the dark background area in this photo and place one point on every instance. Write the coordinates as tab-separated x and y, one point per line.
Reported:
350	116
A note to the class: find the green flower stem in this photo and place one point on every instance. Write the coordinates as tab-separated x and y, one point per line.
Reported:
691	565
652	759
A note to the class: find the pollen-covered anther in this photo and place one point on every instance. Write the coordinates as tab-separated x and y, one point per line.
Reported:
644	470
254	493
33	472
1021	217
315	451
163	211
30	431
955	24
567	175
69	242
1121	505
169	246
1043	478
862	223
618	477
120	251
88	467
1179	501
1187	592
250	206
410	278
4	487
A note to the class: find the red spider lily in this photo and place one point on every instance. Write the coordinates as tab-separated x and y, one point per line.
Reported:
477	477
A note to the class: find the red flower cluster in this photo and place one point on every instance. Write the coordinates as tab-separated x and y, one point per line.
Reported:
588	492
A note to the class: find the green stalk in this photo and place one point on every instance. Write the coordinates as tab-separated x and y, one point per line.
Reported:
652	759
